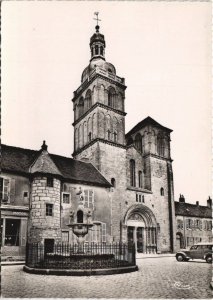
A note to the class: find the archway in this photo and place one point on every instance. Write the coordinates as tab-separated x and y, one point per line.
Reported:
141	228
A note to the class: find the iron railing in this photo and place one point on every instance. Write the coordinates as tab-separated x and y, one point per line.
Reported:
89	256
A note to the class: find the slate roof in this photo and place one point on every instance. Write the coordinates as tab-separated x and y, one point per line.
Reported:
19	160
145	122
192	210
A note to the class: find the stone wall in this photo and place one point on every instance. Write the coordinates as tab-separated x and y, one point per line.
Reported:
40	225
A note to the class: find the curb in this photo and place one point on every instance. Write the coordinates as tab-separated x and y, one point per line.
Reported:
12	263
71	272
160	256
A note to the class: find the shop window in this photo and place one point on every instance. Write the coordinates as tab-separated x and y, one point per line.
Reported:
49	182
12	229
4	189
66	198
49	209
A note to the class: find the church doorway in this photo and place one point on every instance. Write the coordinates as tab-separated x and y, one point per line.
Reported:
141	229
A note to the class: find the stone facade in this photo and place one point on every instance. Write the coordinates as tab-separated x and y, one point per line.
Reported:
41	223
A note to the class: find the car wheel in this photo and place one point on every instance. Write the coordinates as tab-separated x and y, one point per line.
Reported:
179	257
209	259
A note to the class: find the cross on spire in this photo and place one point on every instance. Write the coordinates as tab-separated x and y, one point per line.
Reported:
97	19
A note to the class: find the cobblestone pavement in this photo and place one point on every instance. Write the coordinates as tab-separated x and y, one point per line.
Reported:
156	278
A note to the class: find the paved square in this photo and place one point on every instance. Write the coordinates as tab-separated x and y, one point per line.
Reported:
157	278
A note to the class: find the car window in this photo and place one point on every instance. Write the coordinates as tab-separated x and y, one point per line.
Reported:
193	247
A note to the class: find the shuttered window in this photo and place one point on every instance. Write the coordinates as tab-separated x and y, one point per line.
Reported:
4	189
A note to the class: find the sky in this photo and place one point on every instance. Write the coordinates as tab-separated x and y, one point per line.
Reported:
162	49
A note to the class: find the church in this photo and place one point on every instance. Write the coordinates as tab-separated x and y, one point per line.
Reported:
125	180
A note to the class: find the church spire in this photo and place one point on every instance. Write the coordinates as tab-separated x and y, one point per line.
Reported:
97	42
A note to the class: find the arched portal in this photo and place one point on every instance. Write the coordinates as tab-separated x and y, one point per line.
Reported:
141	228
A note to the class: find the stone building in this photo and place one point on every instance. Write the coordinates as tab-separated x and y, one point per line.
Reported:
194	222
124	180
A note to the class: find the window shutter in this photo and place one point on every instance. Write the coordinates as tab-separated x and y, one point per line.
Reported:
12	190
23	232
1	188
6	190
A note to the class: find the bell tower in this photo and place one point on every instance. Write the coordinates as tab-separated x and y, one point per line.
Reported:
99	123
98	105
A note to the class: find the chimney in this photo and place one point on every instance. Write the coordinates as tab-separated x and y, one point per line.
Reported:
209	203
181	199
197	203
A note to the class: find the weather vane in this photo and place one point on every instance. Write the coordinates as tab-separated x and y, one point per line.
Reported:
96	13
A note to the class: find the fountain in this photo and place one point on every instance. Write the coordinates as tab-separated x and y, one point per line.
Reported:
79	227
85	259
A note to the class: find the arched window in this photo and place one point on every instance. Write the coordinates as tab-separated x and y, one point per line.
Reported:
101	50
162	192
111	97
138	141
113	182
109	135
160	145
81	106
92	51
132	172
96	49
115	136
80	216
88	99
140	179
89	136
142	145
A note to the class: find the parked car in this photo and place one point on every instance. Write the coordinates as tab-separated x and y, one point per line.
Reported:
197	251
